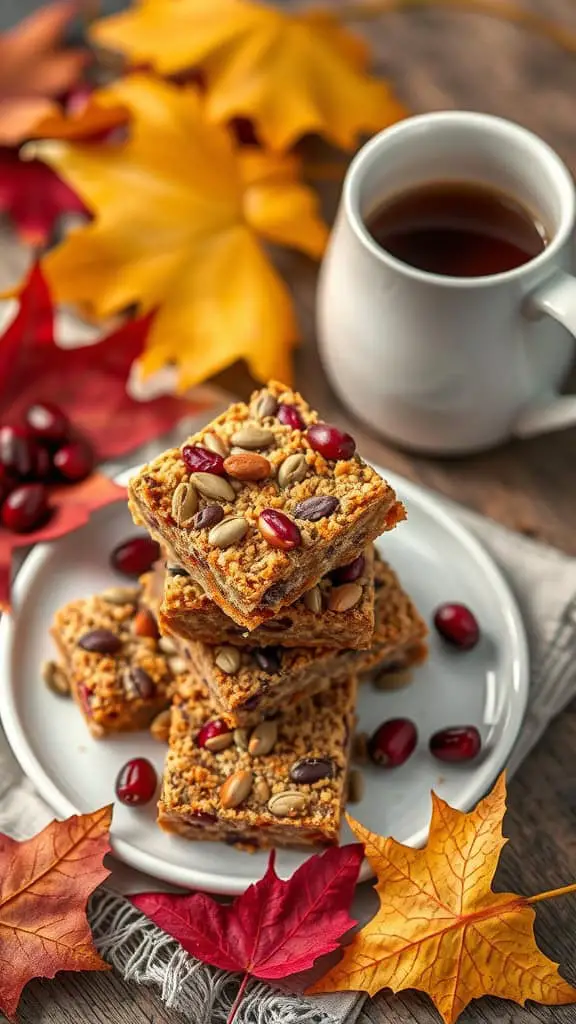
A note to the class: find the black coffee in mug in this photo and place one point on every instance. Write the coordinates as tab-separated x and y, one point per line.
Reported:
458	229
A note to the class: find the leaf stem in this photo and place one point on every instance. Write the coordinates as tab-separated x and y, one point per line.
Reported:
238	1000
552	893
365	10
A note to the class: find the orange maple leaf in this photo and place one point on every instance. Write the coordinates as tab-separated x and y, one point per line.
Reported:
34	67
45	883
291	74
179	212
440	927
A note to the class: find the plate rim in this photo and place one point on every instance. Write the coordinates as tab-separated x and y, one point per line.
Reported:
204	880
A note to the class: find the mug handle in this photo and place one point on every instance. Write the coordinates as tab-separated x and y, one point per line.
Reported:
557	298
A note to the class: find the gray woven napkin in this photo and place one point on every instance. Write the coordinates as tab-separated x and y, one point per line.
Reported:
544	582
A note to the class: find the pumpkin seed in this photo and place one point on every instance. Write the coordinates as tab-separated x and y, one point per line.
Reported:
266	405
55	678
289	804
252	438
121	595
184	503
227	659
212	486
228	532
215	444
263	738
292	470
313	600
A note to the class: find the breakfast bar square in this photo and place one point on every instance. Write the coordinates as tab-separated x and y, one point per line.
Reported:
337	612
281	784
262	503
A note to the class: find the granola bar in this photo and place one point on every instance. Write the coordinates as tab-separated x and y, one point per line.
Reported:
117	672
337	612
247	683
262	503
281	784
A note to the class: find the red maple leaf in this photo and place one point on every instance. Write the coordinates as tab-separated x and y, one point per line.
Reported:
89	383
275	928
34	197
72	507
45	883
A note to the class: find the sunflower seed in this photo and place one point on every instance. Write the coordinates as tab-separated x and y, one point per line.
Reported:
184	503
215	444
55	678
212	486
235	789
292	470
121	595
227	659
289	804
228	532
263	738
252	438
313	600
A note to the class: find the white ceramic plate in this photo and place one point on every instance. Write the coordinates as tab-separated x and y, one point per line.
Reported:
437	559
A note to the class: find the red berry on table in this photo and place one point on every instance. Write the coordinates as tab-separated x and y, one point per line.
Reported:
25	508
74	461
136	782
279	530
457	743
330	442
43	469
457	625
290	417
200	460
17	452
47	421
135	556
393	742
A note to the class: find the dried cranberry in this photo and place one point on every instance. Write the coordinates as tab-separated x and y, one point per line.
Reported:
47	421
393	742
330	442
290	417
457	625
458	743
279	530
351	572
74	461
25	508
85	695
200	460
216	727
136	782
17	452
135	556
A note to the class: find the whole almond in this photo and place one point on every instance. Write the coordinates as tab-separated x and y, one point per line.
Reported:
212	486
263	738
160	726
355	786
184	504
228	532
248	466
313	600
55	678
221	742
266	405
121	595
227	659
342	599
292	470
261	791
241	738
145	624
236	788
289	804
253	438
215	444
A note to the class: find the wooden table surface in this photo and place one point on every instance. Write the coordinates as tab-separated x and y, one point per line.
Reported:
446	58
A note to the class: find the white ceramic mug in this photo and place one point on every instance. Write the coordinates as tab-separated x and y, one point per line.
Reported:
450	364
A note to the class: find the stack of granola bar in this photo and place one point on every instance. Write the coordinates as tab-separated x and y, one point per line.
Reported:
268	604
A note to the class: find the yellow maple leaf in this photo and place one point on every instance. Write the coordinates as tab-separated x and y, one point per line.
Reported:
177	214
440	927
291	74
